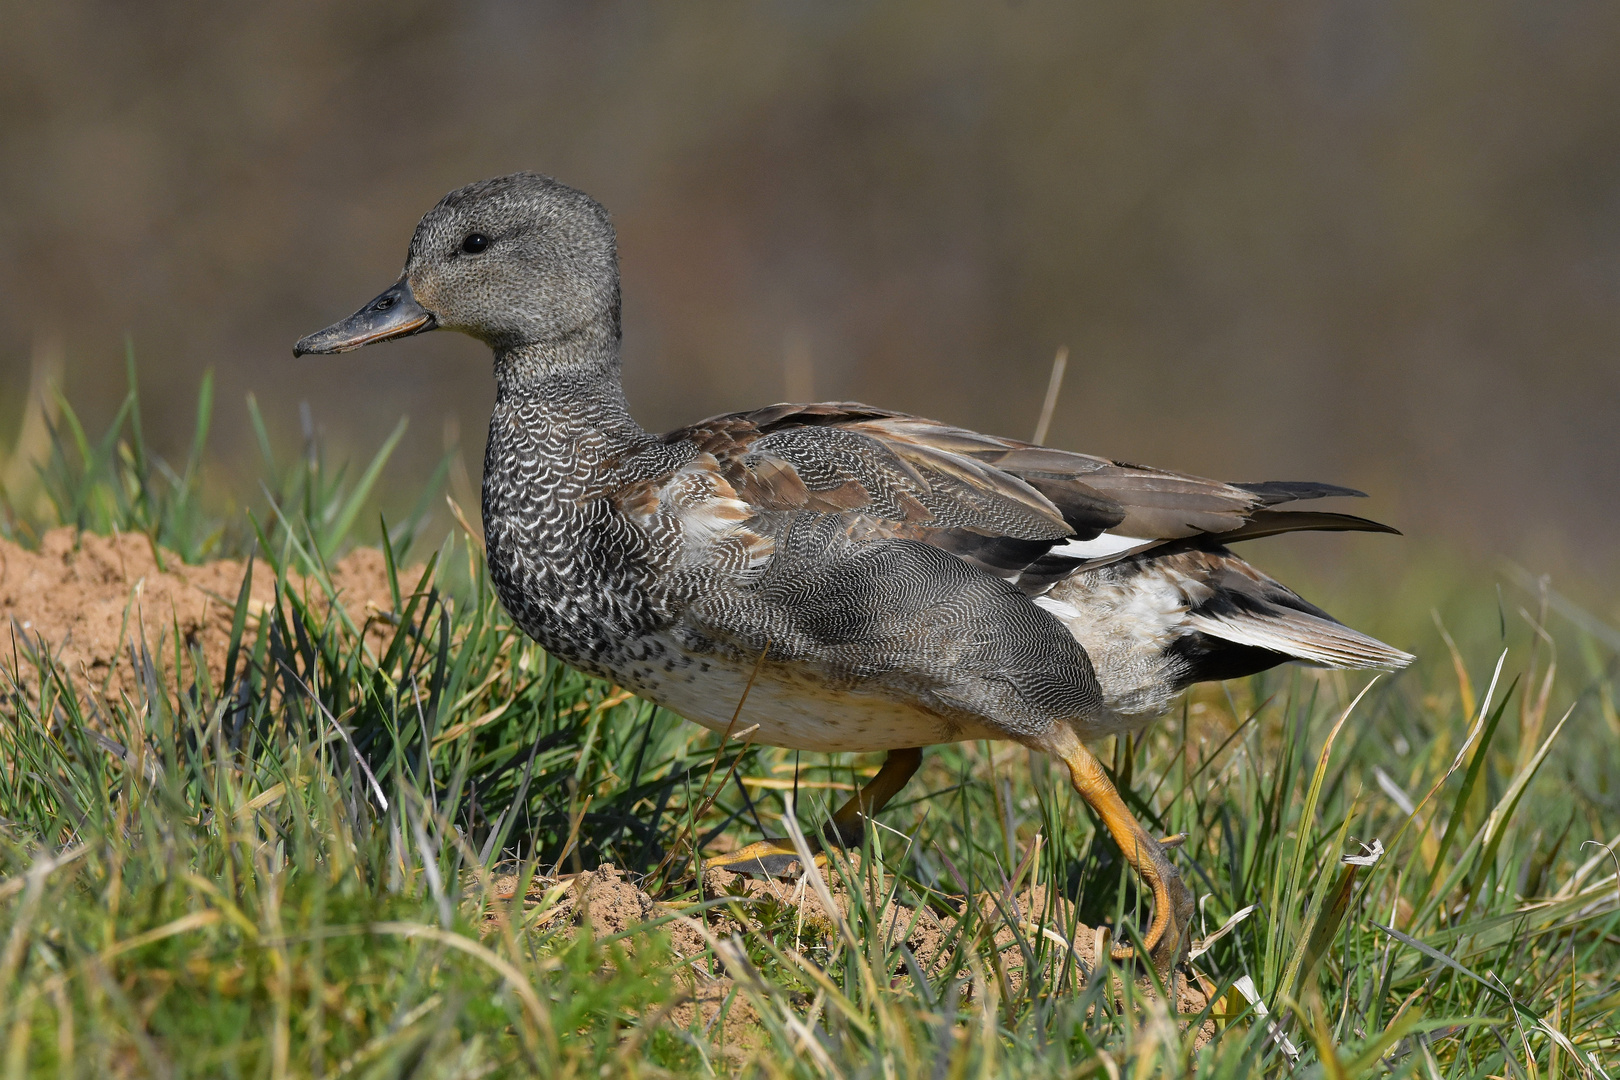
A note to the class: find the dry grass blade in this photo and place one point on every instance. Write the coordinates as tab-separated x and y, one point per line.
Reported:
536	1012
44	868
1326	924
1054	386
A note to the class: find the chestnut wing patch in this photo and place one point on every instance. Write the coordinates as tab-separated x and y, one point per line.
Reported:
786	460
696	516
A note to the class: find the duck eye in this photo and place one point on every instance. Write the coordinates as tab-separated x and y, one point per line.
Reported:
474	243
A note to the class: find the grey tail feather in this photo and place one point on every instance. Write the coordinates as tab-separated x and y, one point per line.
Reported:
1299	635
1272	492
1273	522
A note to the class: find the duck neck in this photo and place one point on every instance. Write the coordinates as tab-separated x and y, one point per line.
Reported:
571	385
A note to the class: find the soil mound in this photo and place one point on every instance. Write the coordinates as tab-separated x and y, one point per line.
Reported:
1010	923
89	600
607	902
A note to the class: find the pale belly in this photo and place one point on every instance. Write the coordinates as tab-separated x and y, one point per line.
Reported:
795	710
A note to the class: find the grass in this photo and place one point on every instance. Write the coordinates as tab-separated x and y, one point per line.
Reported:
295	873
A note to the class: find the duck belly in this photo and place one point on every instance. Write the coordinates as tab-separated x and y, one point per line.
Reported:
793	706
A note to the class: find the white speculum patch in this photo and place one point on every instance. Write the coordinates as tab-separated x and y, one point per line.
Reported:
1098	546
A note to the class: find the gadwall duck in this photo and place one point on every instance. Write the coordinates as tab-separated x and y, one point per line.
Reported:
860	579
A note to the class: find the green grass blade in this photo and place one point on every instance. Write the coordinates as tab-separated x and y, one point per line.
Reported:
239	616
388	562
1302	844
362	490
199	432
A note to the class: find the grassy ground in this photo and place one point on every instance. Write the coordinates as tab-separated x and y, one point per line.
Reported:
295	874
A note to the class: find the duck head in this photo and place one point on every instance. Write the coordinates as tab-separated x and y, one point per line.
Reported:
517	262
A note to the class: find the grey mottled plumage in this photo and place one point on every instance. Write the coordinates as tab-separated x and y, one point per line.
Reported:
908	582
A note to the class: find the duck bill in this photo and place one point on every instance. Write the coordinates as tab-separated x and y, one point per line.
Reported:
393	314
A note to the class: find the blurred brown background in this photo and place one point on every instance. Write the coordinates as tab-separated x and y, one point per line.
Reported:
1367	242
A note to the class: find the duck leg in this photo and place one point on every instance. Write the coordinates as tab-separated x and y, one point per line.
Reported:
777	857
1166	939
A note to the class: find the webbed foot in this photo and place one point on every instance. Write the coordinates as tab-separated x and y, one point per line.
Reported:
776	858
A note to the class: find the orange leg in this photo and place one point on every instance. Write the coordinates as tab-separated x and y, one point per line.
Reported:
1166	939
776	858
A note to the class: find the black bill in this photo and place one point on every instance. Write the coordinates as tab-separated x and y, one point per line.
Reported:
394	314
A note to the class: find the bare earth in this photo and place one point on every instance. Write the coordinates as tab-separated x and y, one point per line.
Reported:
609	902
91	599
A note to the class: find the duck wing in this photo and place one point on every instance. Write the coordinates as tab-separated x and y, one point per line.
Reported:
819	459
1023	512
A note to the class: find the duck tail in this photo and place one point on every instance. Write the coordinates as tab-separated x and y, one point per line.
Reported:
1248	618
1303	636
1248	622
